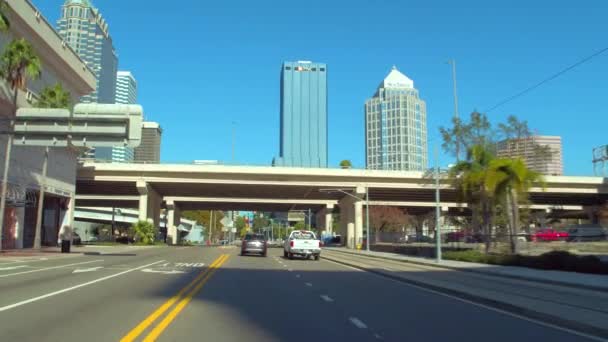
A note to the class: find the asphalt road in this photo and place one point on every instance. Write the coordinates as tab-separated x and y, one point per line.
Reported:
201	293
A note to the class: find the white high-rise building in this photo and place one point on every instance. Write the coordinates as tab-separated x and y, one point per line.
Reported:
126	93
126	88
395	126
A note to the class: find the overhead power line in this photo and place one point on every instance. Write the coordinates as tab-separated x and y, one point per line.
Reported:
548	79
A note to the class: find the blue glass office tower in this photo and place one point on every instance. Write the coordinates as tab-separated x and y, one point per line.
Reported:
303	115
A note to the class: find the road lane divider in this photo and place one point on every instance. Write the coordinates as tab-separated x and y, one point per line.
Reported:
143	325
35	299
155	333
49	268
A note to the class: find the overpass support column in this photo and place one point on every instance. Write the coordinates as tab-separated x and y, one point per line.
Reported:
324	219
351	217
329	219
347	221
149	203
173	221
360	193
592	212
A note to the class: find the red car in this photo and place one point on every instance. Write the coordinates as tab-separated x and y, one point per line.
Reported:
548	234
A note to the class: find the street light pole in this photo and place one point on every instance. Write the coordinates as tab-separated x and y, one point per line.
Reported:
309	220
233	139
437	208
367	217
453	63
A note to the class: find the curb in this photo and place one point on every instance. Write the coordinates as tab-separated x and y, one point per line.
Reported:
484	272
507	307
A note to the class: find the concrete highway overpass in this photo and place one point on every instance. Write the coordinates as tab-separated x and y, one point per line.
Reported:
148	187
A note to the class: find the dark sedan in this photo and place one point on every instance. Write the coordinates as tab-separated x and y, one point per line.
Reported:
254	244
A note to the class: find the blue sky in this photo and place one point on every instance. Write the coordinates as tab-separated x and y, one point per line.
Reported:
201	65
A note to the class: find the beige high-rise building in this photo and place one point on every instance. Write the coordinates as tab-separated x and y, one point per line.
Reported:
527	149
149	149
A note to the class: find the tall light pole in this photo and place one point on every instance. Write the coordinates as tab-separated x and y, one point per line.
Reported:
367	218
437	208
233	139
453	63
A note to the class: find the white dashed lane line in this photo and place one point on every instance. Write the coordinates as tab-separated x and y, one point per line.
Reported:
327	298
308	284
298	276
357	322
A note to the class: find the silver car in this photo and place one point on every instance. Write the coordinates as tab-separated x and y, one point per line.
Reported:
254	243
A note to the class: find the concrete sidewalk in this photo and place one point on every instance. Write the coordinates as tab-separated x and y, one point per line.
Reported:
570	279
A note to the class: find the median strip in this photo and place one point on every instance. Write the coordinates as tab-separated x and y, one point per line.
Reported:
143	325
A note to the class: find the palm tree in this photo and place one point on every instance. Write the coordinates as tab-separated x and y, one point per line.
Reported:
54	97
509	179
469	177
17	63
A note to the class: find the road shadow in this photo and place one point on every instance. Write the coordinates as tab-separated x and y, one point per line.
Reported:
269	303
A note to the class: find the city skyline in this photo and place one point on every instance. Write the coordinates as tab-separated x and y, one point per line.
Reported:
355	70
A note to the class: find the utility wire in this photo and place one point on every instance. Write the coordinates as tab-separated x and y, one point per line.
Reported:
550	78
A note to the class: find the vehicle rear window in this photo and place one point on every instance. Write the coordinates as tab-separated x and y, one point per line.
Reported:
303	235
254	237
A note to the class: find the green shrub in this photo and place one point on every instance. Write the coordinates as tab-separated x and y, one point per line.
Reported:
144	232
556	260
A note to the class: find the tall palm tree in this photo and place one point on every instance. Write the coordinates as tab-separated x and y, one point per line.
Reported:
469	177
54	97
509	179
17	63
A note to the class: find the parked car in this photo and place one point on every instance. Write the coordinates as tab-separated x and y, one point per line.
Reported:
254	243
412	238
125	239
548	234
587	232
455	236
303	243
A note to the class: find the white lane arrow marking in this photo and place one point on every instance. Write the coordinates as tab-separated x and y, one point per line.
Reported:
148	270
82	270
12	268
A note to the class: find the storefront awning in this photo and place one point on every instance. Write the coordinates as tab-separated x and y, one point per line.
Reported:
19	196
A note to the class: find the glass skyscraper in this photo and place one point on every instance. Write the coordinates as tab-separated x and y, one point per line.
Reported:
395	126
303	140
86	31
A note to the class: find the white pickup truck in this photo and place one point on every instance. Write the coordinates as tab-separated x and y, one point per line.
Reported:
303	243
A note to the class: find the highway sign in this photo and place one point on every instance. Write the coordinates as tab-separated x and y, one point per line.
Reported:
91	124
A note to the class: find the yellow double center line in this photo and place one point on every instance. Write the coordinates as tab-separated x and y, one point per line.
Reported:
193	287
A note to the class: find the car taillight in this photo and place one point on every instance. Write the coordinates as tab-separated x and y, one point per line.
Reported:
291	243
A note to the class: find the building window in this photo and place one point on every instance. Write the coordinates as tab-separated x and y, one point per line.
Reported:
322	69
287	68
314	69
